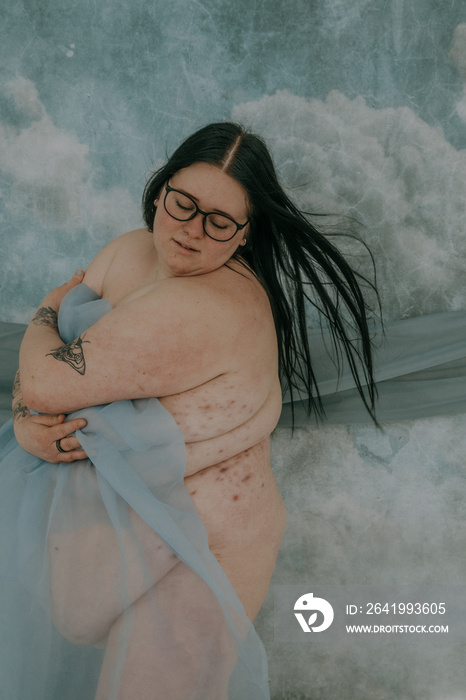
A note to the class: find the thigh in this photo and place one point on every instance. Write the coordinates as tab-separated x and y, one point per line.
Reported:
97	572
174	642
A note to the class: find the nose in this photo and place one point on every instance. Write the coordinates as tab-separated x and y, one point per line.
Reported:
195	226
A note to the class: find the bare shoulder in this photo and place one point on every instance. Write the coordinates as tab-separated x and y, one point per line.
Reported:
231	314
232	291
100	266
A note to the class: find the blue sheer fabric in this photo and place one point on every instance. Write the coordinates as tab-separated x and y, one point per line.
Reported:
105	570
419	367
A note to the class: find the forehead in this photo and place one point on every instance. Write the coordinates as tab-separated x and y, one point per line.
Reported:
212	188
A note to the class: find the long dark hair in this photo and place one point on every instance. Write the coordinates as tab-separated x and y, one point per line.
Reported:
294	262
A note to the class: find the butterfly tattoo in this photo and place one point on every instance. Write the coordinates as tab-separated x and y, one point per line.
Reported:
73	354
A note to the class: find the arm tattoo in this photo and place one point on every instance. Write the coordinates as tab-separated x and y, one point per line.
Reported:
20	410
46	316
16	386
72	353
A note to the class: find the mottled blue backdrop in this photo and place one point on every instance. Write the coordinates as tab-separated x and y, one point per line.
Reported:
364	106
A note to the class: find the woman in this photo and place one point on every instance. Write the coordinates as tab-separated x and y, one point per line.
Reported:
203	309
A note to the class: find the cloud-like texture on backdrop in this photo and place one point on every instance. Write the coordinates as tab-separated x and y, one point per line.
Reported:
387	168
50	198
390	170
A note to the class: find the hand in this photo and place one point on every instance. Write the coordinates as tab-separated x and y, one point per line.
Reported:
38	435
55	297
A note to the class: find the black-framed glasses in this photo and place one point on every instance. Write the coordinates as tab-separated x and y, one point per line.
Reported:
182	207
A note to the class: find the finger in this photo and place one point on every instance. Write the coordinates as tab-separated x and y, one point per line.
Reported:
72	456
48	419
69	443
76	278
70	426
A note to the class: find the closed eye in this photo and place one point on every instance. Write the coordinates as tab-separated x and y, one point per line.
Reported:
183	206
219	222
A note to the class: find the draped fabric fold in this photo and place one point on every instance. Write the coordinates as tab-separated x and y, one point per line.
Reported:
105	570
420	369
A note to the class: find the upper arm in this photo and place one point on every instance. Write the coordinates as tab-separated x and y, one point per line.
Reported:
162	343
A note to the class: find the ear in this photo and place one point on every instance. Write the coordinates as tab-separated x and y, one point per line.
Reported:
157	196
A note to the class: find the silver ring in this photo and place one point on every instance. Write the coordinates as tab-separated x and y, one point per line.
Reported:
59	447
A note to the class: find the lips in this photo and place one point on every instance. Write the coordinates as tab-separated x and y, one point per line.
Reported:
188	248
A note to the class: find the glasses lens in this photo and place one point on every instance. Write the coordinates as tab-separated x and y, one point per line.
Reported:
179	206
182	208
220	227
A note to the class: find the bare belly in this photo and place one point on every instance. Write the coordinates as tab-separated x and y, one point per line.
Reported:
244	516
226	424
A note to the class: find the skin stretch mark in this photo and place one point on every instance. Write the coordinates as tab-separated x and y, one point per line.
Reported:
73	354
46	316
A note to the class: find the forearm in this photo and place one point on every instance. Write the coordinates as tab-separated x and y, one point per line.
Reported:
41	343
41	435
